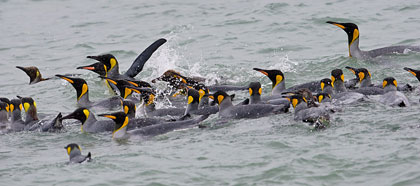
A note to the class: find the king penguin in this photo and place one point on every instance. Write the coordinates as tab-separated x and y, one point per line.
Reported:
75	154
33	73
393	97
353	42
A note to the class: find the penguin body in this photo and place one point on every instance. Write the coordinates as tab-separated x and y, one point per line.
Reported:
393	97
75	154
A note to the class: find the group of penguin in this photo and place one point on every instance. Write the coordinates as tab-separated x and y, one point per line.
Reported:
312	102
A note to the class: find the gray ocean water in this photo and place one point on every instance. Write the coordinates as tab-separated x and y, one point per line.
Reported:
366	144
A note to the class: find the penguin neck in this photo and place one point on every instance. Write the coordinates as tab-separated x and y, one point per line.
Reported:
120	133
339	86
191	107
301	106
90	121
256	98
390	88
31	115
366	82
3	116
354	50
114	72
16	116
329	90
74	153
84	100
204	102
131	114
36	80
279	88
225	104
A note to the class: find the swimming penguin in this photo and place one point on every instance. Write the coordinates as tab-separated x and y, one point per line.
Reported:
31	115
316	116
98	68
193	101
16	121
351	84
33	73
122	121
112	67
393	97
75	154
337	89
3	115
7	101
83	95
89	122
323	97
365	79
255	91
228	110
277	79
353	41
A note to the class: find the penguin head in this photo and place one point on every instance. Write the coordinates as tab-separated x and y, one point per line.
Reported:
389	82
7	102
354	70
15	105
81	114
98	68
322	96
325	83
73	148
363	73
219	96
120	119
350	28
147	94
414	72
4	107
33	73
202	90
129	108
337	75
276	76
30	107
79	84
108	60
254	88
122	85
295	99
193	96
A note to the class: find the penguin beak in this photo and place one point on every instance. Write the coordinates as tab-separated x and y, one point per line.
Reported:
412	71
261	70
337	24
352	69
70	80
97	58
89	67
26	70
110	116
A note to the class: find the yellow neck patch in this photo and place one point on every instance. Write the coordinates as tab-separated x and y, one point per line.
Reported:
250	91
26	106
151	99
322	86
260	91
87	113
190	99
332	80
68	150
384	83
106	71
12	107
113	62
201	92
126	109
84	90
124	125
294	102
342	77
355	35
37	73
361	76
279	79
395	83
220	98
127	92
320	98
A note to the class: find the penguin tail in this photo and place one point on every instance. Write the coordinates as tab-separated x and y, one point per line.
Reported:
89	156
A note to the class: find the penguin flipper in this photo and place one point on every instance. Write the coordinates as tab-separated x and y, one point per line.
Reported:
89	157
138	64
